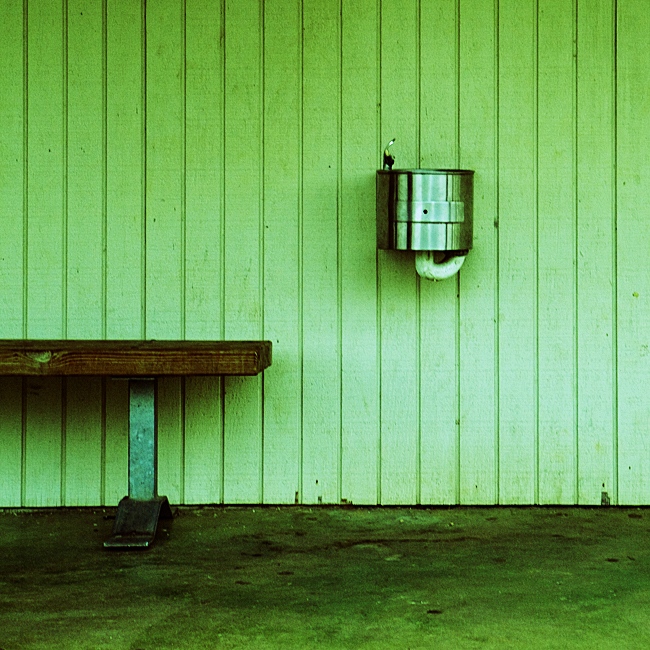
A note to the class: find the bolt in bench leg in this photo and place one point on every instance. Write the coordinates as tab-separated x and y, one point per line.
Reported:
138	513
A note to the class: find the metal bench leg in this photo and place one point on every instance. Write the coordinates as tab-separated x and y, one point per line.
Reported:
138	513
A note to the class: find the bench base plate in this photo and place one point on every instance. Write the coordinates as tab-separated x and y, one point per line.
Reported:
136	522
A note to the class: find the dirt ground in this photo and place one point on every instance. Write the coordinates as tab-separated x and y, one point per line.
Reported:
351	578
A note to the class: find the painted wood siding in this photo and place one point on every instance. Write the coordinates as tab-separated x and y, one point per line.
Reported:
199	169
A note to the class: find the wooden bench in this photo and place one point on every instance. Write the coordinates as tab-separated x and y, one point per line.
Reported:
141	362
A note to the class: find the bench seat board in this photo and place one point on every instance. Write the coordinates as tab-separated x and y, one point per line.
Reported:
133	358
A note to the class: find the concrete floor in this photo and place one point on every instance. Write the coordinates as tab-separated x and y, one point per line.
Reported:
353	578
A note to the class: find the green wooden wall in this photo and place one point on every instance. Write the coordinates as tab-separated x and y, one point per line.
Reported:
204	169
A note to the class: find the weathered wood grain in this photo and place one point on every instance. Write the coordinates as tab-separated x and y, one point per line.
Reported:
133	358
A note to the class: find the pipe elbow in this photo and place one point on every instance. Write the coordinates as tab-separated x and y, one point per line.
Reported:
428	268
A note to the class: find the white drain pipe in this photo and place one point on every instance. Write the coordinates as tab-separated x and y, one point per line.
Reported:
427	267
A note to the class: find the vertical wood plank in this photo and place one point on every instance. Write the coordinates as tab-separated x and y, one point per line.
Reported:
83	443
632	247
170	438
165	170
204	169
204	241
165	222
12	166
282	223
125	228
243	434
320	286
85	170
596	270
84	244
478	460
358	255
45	269
45	234
203	461
438	96
556	254
43	445
11	450
116	482
517	253
398	283
124	170
438	300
